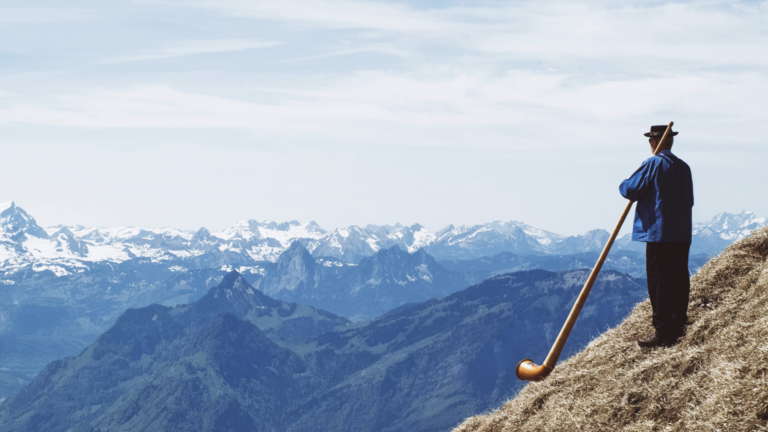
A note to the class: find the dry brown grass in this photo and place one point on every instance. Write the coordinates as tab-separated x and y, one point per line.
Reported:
713	380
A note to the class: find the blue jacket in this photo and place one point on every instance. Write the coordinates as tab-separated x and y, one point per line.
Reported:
663	189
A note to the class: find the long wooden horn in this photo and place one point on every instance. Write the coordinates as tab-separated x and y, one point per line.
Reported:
527	370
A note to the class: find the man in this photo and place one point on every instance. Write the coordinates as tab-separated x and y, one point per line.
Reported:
663	189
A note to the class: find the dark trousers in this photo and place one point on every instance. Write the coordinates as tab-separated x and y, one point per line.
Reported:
669	285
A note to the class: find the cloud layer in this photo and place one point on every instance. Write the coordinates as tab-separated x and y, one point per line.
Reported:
504	77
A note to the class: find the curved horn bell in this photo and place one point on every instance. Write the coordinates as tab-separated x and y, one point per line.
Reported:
527	370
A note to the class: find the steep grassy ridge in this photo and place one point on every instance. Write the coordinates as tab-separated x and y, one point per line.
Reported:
713	380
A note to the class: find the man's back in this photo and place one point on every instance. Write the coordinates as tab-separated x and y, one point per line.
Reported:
663	189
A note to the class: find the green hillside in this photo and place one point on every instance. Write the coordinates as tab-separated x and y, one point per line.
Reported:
713	380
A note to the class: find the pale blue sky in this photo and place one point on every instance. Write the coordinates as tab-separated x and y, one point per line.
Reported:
200	113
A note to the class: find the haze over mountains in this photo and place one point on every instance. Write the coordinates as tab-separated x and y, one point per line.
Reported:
44	316
232	361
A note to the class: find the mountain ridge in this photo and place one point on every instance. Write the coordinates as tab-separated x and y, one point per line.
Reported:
250	244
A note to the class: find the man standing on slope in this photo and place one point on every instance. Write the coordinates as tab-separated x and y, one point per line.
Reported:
663	189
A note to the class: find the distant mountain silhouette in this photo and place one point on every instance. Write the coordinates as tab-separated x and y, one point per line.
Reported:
387	279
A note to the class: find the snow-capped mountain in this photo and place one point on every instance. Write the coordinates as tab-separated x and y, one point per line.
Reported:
67	249
591	241
409	238
265	241
15	223
729	226
712	236
248	245
350	244
467	242
354	243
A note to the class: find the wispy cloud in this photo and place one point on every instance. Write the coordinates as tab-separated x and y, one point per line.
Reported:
347	14
357	76
32	14
378	48
708	32
406	105
187	48
461	67
711	32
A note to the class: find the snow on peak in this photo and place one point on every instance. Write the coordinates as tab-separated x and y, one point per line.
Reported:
286	233
242	229
421	238
729	226
14	221
24	243
506	228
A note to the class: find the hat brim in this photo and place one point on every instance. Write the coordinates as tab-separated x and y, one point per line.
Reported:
657	134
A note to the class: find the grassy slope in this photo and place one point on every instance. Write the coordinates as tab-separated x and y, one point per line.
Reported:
713	380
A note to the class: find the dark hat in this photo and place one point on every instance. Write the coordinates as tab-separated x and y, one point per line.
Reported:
658	131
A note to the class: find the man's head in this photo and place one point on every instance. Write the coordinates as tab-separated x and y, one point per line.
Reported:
655	135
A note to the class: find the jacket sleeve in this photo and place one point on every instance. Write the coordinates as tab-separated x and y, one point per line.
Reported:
636	186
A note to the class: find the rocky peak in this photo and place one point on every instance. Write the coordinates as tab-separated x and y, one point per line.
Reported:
295	269
67	241
445	231
350	244
733	222
591	241
15	222
235	295
242	230
389	254
234	285
201	237
396	261
295	258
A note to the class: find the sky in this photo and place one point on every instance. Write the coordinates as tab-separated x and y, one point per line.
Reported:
201	112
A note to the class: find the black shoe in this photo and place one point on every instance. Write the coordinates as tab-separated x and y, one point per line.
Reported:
653	341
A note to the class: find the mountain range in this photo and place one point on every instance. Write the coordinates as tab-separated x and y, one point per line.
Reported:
379	283
233	360
249	244
61	287
44	316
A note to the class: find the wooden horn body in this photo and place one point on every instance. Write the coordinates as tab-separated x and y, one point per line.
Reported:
527	370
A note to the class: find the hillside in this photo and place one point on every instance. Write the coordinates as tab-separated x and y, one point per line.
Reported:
714	379
44	317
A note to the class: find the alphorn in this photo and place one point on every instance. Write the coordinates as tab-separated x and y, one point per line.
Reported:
527	370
